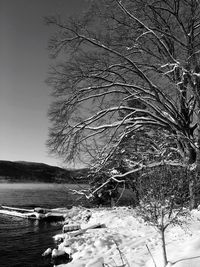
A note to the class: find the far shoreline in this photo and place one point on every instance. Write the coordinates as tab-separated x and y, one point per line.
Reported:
40	182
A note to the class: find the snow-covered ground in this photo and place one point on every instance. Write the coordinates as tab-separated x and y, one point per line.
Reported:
124	240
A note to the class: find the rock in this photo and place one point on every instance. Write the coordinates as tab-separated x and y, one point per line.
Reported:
47	252
59	239
60	257
57	252
71	227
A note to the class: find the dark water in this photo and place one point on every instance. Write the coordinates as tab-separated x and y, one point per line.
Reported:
23	241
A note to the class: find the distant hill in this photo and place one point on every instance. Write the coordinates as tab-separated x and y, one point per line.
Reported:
22	171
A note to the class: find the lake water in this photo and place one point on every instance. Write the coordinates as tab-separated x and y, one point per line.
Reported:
23	241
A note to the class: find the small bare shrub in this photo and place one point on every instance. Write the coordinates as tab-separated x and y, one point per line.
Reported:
163	197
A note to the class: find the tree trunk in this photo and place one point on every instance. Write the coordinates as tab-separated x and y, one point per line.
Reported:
164	247
163	239
194	180
192	203
197	174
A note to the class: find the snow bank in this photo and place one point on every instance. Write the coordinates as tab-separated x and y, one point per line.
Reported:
125	238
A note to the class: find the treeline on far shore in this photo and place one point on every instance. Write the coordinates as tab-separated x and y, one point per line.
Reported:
22	171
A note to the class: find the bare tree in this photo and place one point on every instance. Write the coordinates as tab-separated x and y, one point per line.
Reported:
120	51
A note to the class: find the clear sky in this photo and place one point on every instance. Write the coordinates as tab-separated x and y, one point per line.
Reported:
24	96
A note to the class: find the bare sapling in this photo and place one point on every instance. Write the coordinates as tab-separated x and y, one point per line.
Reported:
163	200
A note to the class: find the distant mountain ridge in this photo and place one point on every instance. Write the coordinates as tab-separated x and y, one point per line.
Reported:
24	171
